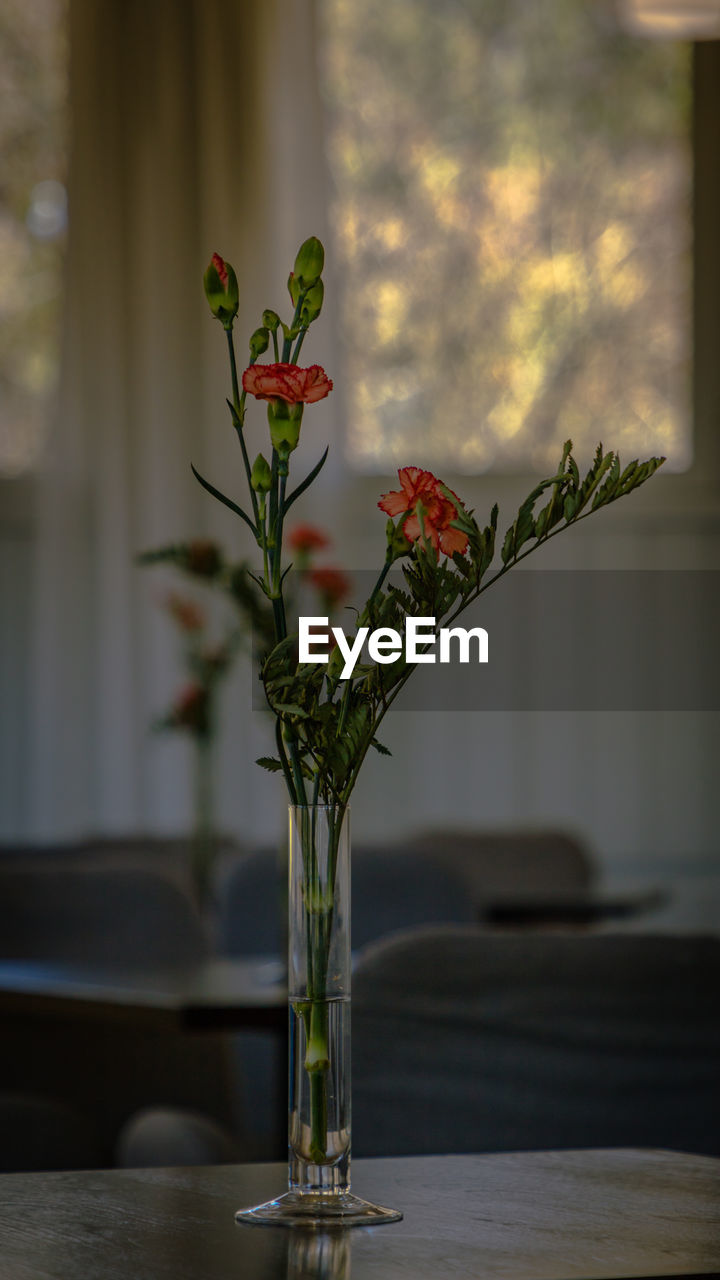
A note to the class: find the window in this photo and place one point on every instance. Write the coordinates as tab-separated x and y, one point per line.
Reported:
32	222
512	216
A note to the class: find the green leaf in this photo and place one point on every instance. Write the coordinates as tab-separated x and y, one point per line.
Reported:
236	419
227	501
161	556
606	492
570	506
305	484
507	547
270	763
282	650
256	578
379	746
289	709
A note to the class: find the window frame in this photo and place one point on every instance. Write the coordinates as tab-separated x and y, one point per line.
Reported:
692	496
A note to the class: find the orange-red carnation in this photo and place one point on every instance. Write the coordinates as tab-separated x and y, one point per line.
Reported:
186	613
306	537
333	584
204	558
286	382
422	488
191	709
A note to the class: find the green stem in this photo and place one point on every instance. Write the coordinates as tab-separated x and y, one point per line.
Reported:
287	344
203	834
284	761
298	346
297	772
317	1065
238	405
278	532
383	575
319	914
272	517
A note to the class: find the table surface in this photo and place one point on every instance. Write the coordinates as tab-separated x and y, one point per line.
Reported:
214	994
539	1215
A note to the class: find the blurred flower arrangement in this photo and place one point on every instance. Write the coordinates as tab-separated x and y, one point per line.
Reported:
207	663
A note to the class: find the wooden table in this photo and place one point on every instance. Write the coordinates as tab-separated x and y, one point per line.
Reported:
539	1215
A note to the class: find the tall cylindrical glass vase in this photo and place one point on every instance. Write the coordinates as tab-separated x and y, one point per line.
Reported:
319	1012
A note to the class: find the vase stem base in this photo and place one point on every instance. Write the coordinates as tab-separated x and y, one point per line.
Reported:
315	1209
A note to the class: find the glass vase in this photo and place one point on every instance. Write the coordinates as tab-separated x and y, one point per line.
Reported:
319	1046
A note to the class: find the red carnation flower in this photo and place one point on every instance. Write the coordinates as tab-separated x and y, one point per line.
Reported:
306	537
333	585
203	558
186	613
287	382
421	489
191	709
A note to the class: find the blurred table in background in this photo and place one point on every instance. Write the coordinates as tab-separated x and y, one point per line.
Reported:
214	994
109	1042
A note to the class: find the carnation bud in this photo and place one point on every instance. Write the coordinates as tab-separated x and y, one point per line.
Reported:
259	343
312	306
221	290
261	476
309	262
271	320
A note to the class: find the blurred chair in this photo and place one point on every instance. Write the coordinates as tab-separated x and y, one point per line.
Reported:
108	917
465	1040
392	888
39	1134
104	916
163	1137
251	899
402	887
515	864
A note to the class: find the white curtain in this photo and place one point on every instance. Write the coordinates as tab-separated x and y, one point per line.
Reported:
195	128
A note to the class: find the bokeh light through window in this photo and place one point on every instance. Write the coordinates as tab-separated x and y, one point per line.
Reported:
512	220
33	215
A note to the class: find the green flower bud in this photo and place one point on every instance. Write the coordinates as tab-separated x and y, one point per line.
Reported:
261	475
259	343
398	544
221	290
309	262
312	306
271	320
293	288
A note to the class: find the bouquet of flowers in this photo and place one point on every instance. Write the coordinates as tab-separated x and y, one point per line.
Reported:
328	711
